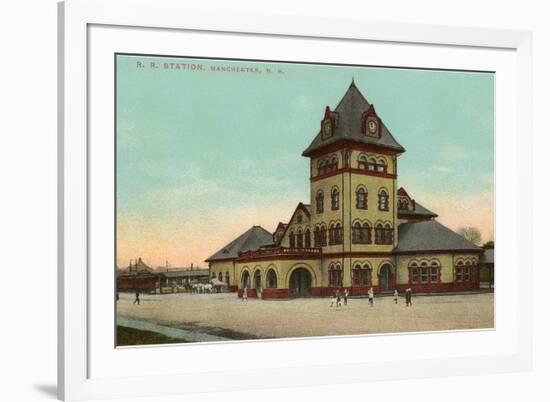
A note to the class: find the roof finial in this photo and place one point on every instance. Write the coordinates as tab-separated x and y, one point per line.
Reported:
352	80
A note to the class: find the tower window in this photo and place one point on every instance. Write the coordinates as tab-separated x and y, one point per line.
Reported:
361	195
383	200
308	238
362	162
319	202
292	240
335	199
381	166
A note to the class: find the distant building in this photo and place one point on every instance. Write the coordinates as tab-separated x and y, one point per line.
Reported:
139	276
359	229
183	276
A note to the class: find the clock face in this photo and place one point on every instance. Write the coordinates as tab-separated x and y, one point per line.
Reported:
326	128
372	126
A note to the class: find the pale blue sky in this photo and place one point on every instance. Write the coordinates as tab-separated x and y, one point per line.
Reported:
182	134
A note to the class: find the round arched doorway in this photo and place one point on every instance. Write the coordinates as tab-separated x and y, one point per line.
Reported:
300	283
385	278
245	280
258	280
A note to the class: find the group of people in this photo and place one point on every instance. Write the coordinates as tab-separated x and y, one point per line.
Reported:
337	297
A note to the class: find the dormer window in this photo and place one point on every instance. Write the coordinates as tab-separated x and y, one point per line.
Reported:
326	128
371	123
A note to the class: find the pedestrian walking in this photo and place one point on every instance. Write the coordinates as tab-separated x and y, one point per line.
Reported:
338	299
346	294
371	297
333	300
136	299
395	295
408	297
245	294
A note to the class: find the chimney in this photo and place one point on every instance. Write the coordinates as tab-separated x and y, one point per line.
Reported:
191	265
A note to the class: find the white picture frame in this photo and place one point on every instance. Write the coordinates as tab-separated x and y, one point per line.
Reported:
78	378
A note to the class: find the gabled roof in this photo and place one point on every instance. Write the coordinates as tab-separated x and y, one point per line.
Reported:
349	122
431	236
304	207
419	211
402	192
251	240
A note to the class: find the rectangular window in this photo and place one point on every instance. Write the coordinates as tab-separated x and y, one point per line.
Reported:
366	278
434	275
356	278
414	275
424	275
459	274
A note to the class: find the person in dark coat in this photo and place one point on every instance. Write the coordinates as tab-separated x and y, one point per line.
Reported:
137	298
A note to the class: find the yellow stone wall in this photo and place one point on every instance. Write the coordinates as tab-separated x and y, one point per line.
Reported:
447	262
216	267
283	270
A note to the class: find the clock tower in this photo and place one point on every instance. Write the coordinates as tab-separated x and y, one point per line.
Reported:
353	172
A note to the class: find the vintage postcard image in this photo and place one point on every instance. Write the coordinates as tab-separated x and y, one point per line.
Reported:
270	200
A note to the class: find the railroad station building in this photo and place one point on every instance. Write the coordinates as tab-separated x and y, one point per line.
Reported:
358	230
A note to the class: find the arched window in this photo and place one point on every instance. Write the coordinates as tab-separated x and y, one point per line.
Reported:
300	239
213	275
357	275
367	275
299	218
227	278
383	200
319	199
414	274
361	198
335	199
388	234
379	234
245	280
356	233
317	236
321	167
362	275
271	279
308	238
381	166
331	235
424	272
339	234
292	239
335	275
366	234
220	277
371	165
323	235
362	162
334	164
434	272
459	271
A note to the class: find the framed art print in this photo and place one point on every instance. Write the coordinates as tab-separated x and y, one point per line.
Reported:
330	196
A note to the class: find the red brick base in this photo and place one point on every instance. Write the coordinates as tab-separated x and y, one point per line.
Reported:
363	290
251	293
275	293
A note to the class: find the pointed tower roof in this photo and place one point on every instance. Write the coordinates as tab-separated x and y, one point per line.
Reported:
348	124
251	240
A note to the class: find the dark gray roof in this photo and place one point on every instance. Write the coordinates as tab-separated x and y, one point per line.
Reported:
431	236
251	240
488	256
418	210
350	110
